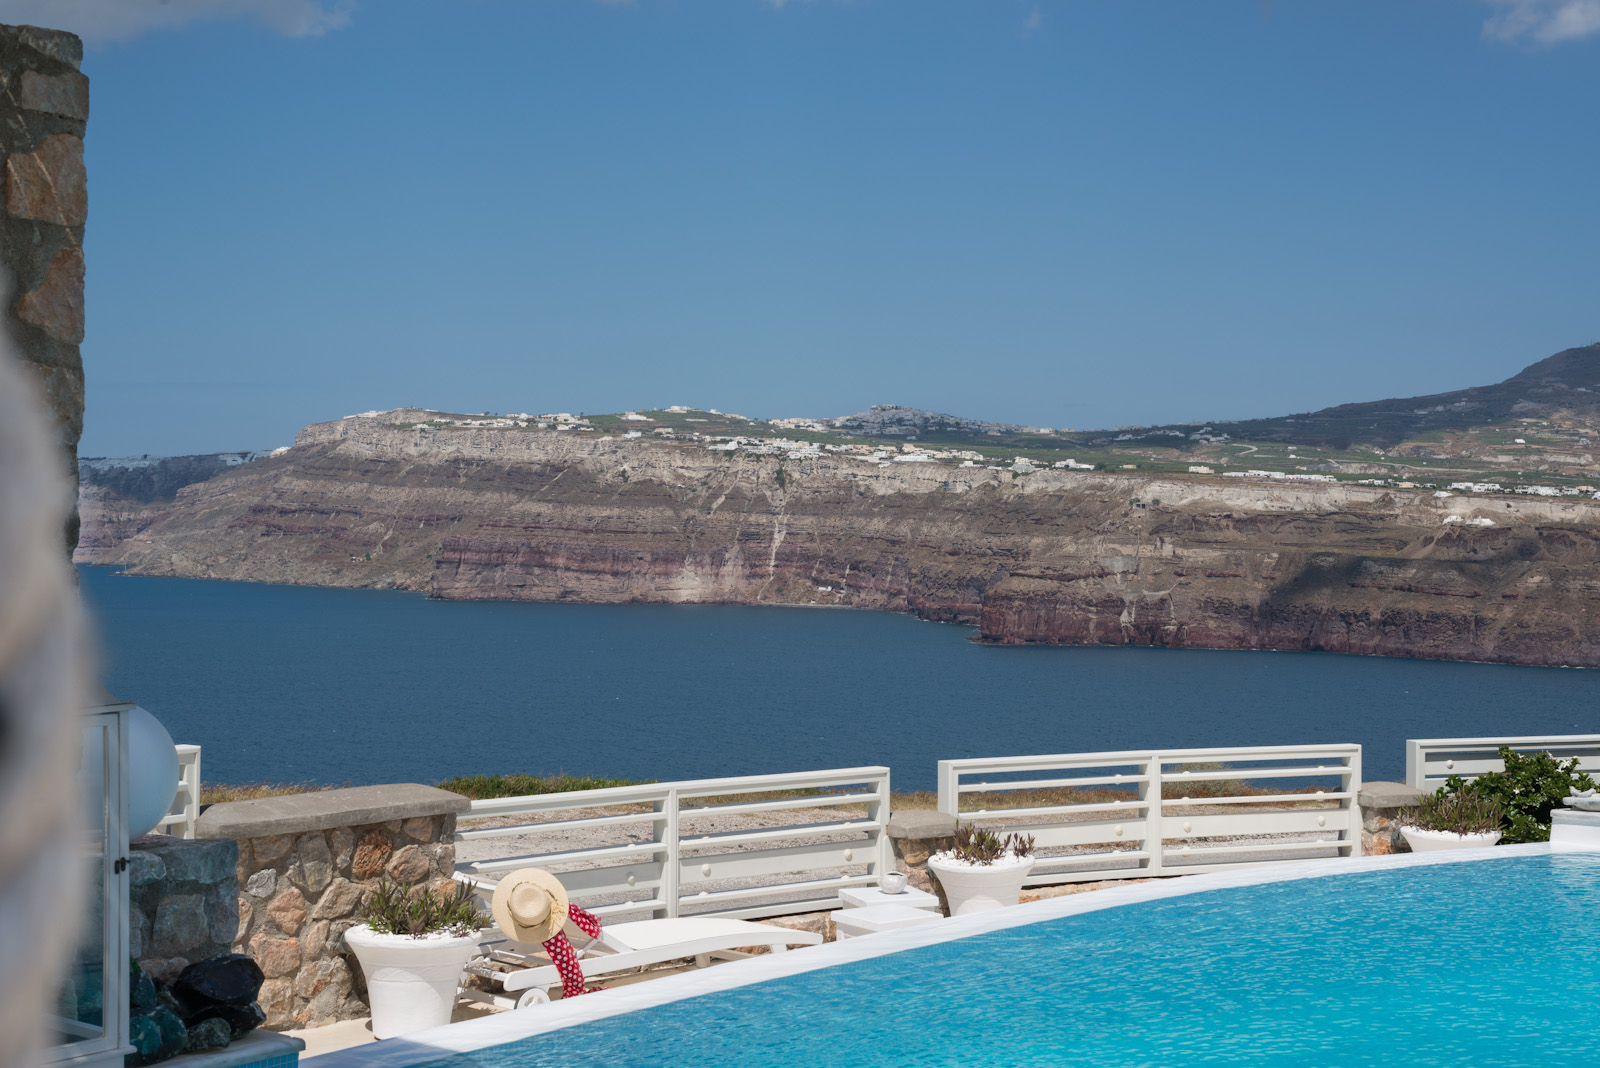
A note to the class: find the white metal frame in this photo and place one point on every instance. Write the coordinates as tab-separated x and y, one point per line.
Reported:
657	876
186	802
1156	830
105	1047
1430	761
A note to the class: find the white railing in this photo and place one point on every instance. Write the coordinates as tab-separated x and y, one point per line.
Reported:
179	822
1144	813
1430	761
667	849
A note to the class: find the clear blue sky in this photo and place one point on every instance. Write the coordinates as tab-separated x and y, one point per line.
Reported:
1059	213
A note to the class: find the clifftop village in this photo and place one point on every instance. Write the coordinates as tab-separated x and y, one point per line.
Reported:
678	424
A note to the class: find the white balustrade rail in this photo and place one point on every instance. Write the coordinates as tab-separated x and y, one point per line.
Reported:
1143	813
667	854
1430	761
179	822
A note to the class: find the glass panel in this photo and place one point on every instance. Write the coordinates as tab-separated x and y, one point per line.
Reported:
80	1009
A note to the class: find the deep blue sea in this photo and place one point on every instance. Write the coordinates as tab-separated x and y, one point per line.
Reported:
298	684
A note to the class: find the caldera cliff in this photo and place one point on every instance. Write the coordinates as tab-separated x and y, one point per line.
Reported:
1050	556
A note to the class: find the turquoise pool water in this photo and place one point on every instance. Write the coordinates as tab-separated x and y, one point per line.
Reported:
1489	963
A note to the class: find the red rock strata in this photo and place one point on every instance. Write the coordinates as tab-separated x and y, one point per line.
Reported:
1055	556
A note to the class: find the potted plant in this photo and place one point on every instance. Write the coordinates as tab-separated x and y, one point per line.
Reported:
1465	820
1532	785
412	950
983	871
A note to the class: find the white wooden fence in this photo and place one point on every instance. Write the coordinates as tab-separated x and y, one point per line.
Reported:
179	822
1430	761
1147	813
667	857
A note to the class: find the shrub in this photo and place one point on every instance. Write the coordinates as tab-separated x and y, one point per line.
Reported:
481	787
1467	812
391	910
1531	786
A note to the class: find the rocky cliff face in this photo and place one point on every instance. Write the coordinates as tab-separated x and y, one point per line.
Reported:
1054	556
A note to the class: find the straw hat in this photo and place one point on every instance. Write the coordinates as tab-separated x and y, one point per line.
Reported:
530	905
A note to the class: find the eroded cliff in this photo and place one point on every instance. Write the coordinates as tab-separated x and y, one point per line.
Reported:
1053	556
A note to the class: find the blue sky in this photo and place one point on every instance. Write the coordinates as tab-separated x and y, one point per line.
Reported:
1059	213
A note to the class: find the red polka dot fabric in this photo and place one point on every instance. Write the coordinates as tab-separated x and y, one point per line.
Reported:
562	955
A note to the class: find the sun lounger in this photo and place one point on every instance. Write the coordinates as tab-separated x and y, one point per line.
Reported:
524	974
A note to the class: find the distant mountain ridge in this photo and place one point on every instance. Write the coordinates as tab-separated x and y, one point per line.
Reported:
157	478
1568	382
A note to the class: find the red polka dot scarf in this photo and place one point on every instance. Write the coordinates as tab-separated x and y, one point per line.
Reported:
562	955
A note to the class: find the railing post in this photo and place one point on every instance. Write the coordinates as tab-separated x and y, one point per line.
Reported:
669	855
949	795
191	807
1352	786
1152	815
1415	772
881	812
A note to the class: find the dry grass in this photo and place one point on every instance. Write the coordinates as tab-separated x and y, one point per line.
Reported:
212	793
479	787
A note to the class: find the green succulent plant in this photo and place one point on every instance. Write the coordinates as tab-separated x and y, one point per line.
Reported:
1467	812
979	845
394	910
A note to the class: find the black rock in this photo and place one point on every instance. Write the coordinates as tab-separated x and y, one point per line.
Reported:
208	1034
164	997
228	977
241	1019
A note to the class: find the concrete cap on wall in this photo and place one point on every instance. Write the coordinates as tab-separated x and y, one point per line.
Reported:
919	823
1387	795
352	806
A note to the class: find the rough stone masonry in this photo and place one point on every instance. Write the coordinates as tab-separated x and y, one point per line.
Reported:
307	864
44	112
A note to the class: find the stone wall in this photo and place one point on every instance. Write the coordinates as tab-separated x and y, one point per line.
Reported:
306	866
183	902
44	111
1381	804
916	835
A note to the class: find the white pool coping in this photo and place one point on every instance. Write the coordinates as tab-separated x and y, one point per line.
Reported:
498	1030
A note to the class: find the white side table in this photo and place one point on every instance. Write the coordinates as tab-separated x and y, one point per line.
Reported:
851	923
864	897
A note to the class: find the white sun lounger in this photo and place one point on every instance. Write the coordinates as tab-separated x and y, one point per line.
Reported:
525	975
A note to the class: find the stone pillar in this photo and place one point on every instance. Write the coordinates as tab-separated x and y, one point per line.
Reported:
1381	804
915	836
44	111
183	902
307	865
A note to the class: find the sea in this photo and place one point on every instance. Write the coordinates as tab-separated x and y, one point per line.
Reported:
299	684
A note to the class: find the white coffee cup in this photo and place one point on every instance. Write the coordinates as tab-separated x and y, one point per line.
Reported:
892	882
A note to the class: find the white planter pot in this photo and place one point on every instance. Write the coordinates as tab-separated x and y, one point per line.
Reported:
1422	841
982	887
411	982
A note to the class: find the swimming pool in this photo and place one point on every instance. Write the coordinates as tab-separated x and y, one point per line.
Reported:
1404	960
